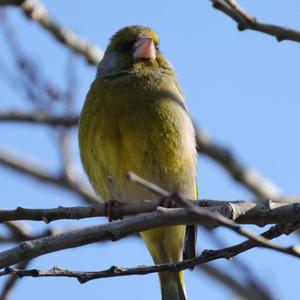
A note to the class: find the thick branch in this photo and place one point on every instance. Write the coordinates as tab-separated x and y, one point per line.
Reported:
246	21
114	271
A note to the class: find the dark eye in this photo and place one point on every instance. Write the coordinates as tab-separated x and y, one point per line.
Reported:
157	47
125	47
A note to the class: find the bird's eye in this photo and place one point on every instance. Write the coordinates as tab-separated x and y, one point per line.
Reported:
125	47
157	47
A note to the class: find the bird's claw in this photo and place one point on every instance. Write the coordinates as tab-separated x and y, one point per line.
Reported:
112	210
167	202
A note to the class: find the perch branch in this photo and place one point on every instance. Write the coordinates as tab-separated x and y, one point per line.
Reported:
242	212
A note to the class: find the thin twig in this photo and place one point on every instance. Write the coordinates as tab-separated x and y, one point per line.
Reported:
11	282
245	21
18	233
115	271
248	291
38	118
64	134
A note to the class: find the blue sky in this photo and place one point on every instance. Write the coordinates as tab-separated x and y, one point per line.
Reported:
242	87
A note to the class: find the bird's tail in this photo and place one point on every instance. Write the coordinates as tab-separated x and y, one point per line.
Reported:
172	285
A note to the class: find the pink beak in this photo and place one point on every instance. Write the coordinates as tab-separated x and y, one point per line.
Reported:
144	48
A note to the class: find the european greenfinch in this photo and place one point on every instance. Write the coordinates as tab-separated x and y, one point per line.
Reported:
135	119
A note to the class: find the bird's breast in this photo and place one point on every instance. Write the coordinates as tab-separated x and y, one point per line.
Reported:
143	129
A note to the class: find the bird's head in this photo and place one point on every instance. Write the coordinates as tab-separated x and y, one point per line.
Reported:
133	49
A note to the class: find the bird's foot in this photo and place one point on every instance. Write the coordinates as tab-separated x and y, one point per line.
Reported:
167	202
112	210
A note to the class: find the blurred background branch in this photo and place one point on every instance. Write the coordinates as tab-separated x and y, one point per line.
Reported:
36	11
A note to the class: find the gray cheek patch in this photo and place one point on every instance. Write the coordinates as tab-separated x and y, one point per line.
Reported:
105	67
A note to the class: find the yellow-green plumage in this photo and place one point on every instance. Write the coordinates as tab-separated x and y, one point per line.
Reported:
134	119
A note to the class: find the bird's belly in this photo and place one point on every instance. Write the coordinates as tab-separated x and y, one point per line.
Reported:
162	166
153	138
161	154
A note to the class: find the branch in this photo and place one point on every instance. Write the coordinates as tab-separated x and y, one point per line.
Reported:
119	229
29	168
245	21
214	217
242	212
11	282
18	232
11	2
38	118
115	271
260	186
36	11
251	290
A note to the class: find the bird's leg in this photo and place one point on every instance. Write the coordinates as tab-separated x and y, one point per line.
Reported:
112	210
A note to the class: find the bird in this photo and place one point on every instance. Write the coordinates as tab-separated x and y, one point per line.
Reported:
135	119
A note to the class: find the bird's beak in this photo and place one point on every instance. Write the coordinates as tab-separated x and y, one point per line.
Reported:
144	48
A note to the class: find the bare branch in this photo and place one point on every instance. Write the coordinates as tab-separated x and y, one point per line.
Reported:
17	231
64	134
218	218
115	271
242	212
38	118
119	229
260	186
79	212
251	290
36	11
246	21
11	2
11	282
35	171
